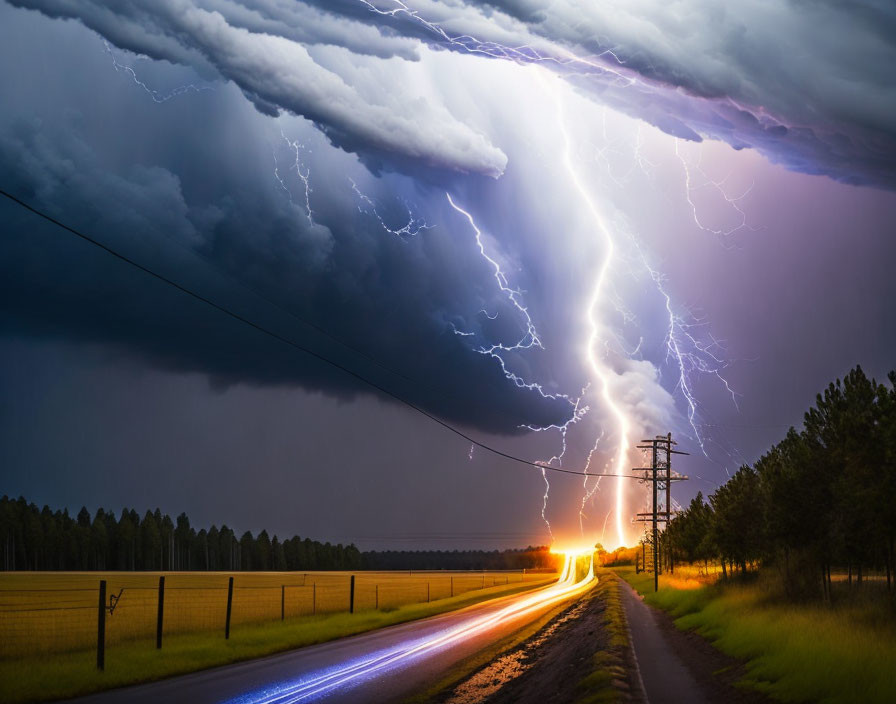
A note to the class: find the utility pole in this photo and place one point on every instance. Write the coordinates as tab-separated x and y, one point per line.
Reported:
660	475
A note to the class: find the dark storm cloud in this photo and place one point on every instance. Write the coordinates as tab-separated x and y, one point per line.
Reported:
358	105
807	84
137	176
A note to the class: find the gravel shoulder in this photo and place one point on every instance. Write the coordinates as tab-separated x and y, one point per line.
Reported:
573	658
608	646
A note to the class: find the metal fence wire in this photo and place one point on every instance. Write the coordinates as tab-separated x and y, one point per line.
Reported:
59	612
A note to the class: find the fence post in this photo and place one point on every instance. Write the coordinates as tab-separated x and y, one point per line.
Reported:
282	602
101	628
313	598
161	612
229	608
351	595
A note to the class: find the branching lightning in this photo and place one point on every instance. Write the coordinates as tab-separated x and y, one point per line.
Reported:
303	173
156	96
597	332
413	227
588	493
606	63
528	340
530	337
688	346
688	353
719	186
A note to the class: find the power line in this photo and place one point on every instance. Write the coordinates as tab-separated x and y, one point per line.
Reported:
295	345
314	326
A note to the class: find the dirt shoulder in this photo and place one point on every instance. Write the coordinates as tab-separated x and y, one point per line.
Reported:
577	656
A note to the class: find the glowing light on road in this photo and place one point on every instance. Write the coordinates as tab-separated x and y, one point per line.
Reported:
317	685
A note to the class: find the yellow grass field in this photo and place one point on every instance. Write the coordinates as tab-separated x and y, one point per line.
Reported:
56	612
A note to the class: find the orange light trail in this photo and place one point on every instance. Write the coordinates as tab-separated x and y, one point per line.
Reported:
565	588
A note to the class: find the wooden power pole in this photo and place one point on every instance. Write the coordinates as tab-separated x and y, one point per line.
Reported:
660	476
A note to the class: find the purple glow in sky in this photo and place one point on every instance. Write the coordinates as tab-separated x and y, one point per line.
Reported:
657	220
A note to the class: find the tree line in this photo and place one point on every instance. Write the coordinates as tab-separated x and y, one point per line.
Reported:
43	539
823	497
515	559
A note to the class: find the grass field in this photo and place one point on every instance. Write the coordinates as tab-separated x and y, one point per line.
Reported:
57	656
794	652
43	612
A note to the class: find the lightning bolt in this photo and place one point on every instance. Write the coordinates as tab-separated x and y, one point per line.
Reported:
719	186
605	63
528	340
598	335
687	348
156	96
413	227
587	493
530	337
688	353
303	173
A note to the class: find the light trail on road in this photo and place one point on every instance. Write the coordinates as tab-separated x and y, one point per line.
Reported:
354	672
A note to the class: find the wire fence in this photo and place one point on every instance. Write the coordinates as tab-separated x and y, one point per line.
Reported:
42	613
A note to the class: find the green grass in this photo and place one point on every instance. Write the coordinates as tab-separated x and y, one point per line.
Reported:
48	677
794	652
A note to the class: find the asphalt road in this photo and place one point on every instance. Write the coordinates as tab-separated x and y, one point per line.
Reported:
663	674
379	666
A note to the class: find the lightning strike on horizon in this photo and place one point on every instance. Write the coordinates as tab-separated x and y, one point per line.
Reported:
683	347
690	352
156	96
597	334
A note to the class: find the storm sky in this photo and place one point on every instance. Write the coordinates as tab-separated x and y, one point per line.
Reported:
312	166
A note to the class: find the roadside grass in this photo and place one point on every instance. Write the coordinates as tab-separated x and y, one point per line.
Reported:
608	666
794	652
59	676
